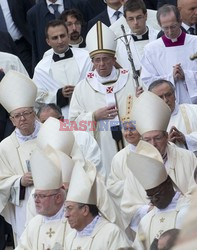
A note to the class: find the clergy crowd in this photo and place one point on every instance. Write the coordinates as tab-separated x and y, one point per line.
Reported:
98	125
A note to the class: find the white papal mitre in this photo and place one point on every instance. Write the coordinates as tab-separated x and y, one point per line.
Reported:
52	133
150	113
82	188
100	39
17	91
147	165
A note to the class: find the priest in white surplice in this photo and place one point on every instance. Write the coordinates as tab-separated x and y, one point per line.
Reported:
17	95
182	127
61	68
48	229
179	163
168	206
169	57
139	35
99	100
92	230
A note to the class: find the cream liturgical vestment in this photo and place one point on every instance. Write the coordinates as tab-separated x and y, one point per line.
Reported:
184	118
157	221
161	55
50	76
9	61
118	174
105	236
180	166
14	159
91	95
45	233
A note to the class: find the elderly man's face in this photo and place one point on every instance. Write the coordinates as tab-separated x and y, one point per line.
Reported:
170	25
158	139
24	120
75	213
46	201
188	11
165	92
103	63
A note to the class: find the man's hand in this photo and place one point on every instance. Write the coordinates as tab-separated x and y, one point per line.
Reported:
178	73
27	180
176	136
67	91
105	113
139	91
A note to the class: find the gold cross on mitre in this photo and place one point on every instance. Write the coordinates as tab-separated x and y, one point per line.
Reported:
50	232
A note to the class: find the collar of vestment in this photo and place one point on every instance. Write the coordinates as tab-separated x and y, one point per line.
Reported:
118	84
176	42
132	147
66	55
87	231
23	138
58	216
142	37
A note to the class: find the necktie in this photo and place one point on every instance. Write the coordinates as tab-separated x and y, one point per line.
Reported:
117	14
3	26
56	12
191	31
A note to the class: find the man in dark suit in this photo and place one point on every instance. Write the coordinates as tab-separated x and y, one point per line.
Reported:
89	8
38	17
151	4
7	44
188	12
108	16
14	14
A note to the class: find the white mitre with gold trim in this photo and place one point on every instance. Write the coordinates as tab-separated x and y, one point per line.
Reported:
100	39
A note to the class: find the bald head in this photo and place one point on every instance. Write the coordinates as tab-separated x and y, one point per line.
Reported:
188	11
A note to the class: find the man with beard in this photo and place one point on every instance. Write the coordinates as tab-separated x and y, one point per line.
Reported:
168	206
74	22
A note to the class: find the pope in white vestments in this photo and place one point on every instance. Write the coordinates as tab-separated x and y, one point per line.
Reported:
15	173
99	100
